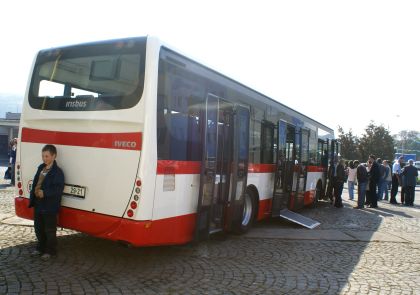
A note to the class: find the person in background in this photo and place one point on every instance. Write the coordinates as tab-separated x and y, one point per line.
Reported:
381	181
402	183
368	195
330	184
396	180
351	172
374	177
388	178
346	167
339	178
45	197
12	160
362	180
410	174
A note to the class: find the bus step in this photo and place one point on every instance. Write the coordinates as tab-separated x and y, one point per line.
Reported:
279	203
299	219
216	230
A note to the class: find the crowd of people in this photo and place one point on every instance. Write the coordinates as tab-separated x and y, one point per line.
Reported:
376	180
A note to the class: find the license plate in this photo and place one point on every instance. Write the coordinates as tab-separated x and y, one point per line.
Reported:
74	190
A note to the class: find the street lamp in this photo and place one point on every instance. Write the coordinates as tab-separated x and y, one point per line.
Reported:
402	139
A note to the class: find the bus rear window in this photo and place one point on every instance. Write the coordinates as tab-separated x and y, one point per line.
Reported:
98	76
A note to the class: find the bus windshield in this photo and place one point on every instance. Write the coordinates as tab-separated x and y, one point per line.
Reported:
98	76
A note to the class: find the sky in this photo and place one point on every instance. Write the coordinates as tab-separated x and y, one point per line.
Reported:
342	63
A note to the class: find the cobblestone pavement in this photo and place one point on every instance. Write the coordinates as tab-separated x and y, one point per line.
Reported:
223	265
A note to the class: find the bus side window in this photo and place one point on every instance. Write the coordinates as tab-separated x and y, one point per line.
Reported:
313	146
305	147
267	143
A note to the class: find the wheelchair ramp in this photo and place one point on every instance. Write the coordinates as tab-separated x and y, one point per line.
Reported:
299	219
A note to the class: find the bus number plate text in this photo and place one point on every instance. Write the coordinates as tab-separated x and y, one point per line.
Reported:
74	190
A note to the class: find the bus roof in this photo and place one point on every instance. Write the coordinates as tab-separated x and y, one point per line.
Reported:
269	100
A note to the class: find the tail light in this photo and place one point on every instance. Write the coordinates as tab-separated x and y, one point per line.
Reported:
18	175
135	198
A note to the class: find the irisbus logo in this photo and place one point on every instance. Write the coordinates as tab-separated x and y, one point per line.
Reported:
76	104
125	144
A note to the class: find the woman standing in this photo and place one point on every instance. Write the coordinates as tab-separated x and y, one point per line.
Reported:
351	172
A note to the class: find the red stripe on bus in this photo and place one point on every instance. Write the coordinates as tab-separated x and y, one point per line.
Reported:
178	167
315	169
194	167
124	141
261	168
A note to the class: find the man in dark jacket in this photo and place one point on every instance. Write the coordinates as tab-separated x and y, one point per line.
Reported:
374	176
362	180
339	177
410	174
45	197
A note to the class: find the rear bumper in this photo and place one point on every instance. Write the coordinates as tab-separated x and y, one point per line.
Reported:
168	231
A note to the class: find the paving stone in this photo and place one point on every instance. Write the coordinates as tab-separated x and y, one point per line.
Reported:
351	252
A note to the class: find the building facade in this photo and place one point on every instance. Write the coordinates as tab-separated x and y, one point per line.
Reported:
9	129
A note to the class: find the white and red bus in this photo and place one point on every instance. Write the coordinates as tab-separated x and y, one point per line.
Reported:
159	149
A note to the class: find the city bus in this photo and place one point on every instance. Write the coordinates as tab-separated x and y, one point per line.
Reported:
159	149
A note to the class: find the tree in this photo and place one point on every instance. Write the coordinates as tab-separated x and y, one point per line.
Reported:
349	144
377	141
408	142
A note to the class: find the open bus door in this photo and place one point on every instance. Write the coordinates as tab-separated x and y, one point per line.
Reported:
239	214
286	183
333	156
323	155
224	166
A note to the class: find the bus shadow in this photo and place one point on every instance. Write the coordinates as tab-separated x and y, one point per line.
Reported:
341	232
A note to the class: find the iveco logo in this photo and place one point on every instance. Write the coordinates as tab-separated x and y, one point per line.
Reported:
125	144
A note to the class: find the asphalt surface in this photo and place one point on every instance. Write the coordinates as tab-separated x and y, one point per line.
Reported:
370	251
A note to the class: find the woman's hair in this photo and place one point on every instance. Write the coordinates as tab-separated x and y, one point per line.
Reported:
50	148
351	165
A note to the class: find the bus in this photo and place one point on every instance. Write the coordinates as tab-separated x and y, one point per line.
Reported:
159	149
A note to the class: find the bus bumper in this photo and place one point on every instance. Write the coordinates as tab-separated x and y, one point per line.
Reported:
168	231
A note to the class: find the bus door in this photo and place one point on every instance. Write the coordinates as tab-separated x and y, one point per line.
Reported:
323	159
299	175
333	156
217	130
239	211
286	178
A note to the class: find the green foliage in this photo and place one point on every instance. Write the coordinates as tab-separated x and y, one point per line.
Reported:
377	140
408	142
349	144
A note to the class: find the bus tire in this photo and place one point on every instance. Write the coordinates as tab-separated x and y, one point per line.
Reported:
248	213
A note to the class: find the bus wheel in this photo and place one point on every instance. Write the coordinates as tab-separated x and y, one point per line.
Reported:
248	213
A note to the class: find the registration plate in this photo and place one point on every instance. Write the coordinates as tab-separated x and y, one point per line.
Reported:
74	190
